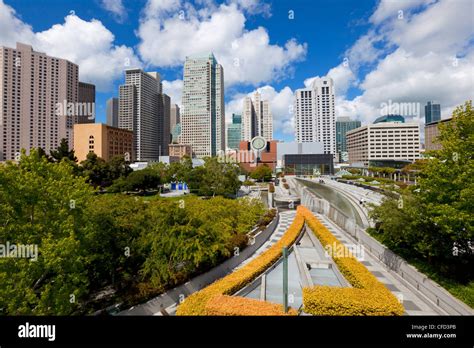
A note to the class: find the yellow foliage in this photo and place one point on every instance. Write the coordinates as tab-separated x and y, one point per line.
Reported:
234	305
196	303
367	297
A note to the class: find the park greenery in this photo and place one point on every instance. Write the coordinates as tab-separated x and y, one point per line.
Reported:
99	249
432	223
262	173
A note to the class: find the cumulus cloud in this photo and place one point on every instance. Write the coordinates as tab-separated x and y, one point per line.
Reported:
425	55
115	7
87	43
343	78
174	90
171	30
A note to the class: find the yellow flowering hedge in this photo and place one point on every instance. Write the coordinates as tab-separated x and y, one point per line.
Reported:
196	303
234	306
367	297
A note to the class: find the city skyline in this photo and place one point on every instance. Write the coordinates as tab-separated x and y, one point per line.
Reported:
357	53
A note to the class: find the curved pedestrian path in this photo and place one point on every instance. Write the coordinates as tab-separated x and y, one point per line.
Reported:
286	218
413	301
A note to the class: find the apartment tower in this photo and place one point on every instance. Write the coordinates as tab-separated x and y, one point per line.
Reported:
35	90
315	117
257	118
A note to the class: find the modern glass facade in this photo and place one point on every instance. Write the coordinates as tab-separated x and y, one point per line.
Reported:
343	125
203	114
432	112
390	118
234	132
306	165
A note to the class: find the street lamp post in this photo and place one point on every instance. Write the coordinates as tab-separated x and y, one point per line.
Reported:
285	279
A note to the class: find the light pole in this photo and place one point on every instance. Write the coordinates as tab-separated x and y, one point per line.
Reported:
285	279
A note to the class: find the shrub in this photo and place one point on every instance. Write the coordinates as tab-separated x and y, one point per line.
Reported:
367	297
196	303
234	306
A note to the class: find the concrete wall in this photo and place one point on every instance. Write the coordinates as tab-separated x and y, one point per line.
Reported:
399	267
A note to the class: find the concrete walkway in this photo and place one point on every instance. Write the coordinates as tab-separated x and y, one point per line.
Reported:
413	301
286	218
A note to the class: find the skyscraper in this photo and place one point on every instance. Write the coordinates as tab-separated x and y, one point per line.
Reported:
234	132
343	125
86	98
175	123
174	116
432	112
38	96
203	112
112	112
315	117
164	127
143	109
256	118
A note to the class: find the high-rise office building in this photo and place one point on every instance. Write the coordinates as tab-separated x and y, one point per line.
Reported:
143	109
203	111
432	133
234	132
39	95
315	117
86	99
164	127
257	118
343	125
432	112
175	126
174	116
383	143
112	112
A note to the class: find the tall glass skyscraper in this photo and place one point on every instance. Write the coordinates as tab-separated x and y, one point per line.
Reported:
432	112
234	132
203	111
343	125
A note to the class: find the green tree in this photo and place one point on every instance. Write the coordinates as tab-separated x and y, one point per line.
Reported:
434	220
42	204
262	173
96	170
139	180
63	152
214	178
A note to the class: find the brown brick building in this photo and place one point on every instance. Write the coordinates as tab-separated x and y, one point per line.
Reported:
268	156
180	150
431	133
105	141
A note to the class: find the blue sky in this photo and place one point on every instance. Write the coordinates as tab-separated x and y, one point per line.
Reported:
376	51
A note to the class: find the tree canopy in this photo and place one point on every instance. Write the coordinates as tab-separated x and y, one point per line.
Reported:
434	220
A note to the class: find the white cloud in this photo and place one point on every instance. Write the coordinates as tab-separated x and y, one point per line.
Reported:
174	90
416	59
115	7
247	56
87	43
12	29
281	103
342	76
390	9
